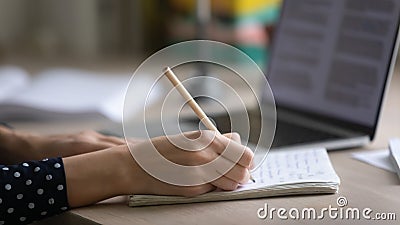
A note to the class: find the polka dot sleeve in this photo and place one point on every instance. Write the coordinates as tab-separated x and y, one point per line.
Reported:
32	191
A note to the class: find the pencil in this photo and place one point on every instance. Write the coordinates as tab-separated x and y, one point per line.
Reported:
192	103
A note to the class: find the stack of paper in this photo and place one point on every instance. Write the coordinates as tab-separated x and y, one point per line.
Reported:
394	147
291	172
63	93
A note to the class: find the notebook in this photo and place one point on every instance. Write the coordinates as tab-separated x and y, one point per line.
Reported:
284	172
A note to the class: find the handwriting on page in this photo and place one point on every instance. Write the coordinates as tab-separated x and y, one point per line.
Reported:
289	166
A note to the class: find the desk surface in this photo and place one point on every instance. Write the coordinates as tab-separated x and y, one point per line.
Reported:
363	186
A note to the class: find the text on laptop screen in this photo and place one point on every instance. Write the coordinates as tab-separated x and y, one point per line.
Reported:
331	57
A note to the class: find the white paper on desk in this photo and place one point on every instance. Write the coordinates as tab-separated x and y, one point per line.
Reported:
12	79
63	92
377	158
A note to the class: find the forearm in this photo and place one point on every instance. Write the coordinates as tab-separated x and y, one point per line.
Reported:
15	146
97	176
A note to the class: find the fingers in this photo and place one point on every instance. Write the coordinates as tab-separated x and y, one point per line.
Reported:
78	143
95	137
112	140
252	166
77	148
225	184
99	145
235	152
247	158
239	174
234	136
233	164
195	190
239	156
233	178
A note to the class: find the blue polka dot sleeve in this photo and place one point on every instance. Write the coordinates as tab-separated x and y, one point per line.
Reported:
32	191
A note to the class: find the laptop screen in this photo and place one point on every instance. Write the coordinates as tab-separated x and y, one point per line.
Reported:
332	57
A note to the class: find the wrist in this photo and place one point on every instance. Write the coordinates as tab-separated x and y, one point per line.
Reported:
133	177
107	176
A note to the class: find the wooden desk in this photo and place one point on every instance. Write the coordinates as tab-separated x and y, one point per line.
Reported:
362	185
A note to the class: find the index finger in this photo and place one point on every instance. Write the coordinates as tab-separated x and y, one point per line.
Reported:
235	152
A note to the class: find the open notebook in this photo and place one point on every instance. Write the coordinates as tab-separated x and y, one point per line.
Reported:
292	172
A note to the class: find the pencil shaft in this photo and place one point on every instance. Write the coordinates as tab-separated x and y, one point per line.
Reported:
192	103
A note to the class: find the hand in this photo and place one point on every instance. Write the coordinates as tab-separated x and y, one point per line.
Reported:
114	171
74	144
141	182
19	146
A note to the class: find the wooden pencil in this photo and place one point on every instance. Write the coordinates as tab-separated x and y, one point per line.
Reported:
192	103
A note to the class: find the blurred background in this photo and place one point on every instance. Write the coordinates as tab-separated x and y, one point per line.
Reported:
53	53
113	38
56	31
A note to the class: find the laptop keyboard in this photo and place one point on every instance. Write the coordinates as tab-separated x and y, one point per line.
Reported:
286	133
289	134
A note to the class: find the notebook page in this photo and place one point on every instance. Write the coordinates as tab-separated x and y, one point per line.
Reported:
291	167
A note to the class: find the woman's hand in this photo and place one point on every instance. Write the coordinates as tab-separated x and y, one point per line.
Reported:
19	146
210	145
107	173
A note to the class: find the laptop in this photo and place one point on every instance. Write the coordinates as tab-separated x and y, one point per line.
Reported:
330	65
329	68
